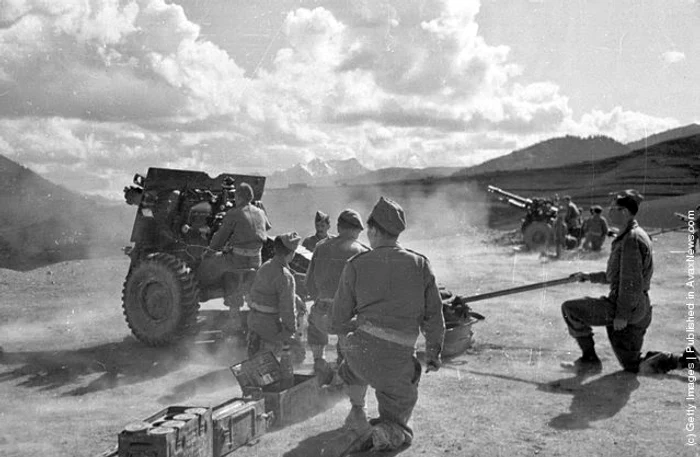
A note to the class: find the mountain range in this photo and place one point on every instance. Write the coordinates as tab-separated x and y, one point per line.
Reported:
41	222
551	153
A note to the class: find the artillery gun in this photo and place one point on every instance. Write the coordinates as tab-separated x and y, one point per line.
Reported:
169	274
537	226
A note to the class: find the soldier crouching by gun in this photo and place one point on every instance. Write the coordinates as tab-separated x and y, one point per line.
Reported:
626	311
271	322
385	298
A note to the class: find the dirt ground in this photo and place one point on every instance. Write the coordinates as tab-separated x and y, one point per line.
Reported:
72	376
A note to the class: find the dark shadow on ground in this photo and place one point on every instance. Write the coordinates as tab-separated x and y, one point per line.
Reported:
120	363
334	443
599	399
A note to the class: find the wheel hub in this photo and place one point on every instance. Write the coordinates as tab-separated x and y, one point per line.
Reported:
156	301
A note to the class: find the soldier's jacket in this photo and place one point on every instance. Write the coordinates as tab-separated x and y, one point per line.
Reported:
391	289
327	265
273	291
596	226
629	272
243	227
573	215
310	242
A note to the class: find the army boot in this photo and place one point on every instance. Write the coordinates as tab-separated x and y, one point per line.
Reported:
588	364
659	363
388	436
357	418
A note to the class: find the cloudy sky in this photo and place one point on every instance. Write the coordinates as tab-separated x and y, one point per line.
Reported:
92	91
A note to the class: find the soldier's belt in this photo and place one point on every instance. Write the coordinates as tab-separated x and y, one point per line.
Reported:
264	309
323	302
244	252
390	335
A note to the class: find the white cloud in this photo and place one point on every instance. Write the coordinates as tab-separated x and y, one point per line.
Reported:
106	88
624	126
671	57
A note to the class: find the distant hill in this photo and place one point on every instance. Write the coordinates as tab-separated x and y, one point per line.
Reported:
552	153
667	169
42	223
396	174
668	135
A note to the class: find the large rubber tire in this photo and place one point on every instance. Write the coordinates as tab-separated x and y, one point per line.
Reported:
538	235
160	300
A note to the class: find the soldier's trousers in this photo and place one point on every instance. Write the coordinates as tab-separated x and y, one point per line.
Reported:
594	242
319	322
390	368
582	314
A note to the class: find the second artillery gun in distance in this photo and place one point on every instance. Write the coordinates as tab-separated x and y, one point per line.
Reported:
537	226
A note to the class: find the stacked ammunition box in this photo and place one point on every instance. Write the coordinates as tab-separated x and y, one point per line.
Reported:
238	422
177	431
186	431
261	377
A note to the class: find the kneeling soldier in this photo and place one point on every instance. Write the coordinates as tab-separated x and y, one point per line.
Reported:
271	322
626	311
385	298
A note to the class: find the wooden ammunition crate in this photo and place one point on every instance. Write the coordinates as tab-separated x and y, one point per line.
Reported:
237	422
177	431
260	376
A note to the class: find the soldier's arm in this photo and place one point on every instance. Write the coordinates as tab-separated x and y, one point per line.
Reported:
344	303
433	325
221	236
286	291
310	278
630	286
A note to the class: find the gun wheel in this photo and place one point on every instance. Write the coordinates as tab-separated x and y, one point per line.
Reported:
160	299
537	236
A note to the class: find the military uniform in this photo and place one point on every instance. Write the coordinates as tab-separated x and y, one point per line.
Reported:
310	242
322	278
385	298
241	236
560	231
271	321
595	230
629	271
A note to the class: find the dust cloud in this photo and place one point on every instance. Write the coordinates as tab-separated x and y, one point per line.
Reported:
432	210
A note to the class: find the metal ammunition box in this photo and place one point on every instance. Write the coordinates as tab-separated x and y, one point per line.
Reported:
237	422
260	377
177	431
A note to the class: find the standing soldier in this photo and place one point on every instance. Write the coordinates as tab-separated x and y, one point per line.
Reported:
241	236
322	221
322	279
596	229
560	230
573	218
271	322
626	311
385	298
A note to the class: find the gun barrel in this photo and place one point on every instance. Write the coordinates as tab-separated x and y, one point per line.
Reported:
516	290
509	197
682	217
673	229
